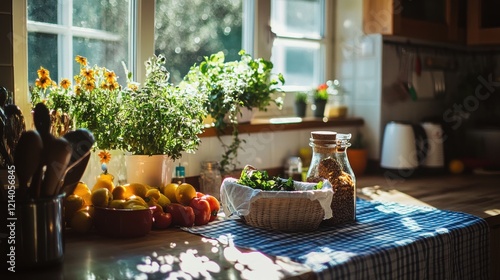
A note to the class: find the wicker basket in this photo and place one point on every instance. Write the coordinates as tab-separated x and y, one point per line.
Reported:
285	214
288	211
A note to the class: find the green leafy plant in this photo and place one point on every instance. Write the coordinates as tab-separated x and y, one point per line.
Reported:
158	117
320	93
233	85
301	97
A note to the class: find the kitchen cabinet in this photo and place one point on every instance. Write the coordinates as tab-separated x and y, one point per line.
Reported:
432	20
483	23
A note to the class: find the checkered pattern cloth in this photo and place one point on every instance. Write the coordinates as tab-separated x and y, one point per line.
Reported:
387	241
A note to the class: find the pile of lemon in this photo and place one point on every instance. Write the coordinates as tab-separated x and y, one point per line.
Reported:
78	206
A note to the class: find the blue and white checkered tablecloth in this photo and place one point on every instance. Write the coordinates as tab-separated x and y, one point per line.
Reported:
387	241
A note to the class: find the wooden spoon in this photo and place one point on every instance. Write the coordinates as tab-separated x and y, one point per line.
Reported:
58	156
27	158
41	118
81	141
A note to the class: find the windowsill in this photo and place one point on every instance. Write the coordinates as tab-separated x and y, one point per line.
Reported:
287	123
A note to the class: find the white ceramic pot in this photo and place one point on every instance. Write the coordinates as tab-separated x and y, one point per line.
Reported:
116	167
155	170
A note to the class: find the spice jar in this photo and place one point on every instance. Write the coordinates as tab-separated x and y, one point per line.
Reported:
210	178
329	161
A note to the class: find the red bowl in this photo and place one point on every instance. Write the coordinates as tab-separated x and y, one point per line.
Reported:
126	223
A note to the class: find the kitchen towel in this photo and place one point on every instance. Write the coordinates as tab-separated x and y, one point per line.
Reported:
387	241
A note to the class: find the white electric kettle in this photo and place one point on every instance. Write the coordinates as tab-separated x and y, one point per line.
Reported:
404	146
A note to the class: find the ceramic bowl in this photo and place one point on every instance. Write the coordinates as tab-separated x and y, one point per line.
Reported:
124	223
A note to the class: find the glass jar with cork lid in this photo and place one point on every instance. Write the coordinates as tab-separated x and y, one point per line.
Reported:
329	161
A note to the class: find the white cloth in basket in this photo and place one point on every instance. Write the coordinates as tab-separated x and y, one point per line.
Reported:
236	201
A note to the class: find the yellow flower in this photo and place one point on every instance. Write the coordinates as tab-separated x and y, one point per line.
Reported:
132	86
43	73
43	82
65	83
113	86
110	76
105	156
104	85
89	84
78	90
87	73
82	60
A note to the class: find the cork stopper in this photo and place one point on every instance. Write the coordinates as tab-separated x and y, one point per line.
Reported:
324	136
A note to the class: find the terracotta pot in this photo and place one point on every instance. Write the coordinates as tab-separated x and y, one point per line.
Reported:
358	158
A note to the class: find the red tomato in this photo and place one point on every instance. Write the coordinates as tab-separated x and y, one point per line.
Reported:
181	215
162	220
214	205
199	194
201	209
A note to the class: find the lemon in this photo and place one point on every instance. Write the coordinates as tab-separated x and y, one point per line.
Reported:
103	184
153	194
81	221
117	203
456	166
107	176
163	200
72	203
185	193
83	191
135	189
169	191
101	197
119	192
135	201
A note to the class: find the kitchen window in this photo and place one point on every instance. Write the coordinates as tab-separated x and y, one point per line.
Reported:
295	34
59	30
299	48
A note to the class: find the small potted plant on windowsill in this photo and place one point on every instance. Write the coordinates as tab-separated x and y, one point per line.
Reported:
320	98
300	104
159	122
233	87
358	155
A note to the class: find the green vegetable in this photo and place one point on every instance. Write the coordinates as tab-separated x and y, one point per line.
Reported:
261	180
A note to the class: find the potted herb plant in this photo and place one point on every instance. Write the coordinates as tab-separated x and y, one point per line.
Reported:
300	104
159	122
320	98
233	87
358	155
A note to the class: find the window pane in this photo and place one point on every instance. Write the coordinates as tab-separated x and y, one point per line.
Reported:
42	50
107	54
187	30
299	62
42	11
300	17
110	16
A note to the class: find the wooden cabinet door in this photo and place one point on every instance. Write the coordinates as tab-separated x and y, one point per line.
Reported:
483	22
433	20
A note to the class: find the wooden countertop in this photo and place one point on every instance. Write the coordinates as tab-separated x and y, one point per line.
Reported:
92	256
478	195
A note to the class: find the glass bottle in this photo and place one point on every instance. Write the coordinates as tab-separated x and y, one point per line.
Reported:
345	186
329	161
210	178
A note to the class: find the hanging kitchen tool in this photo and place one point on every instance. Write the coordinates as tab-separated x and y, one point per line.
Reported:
27	159
418	64
81	141
14	127
411	88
